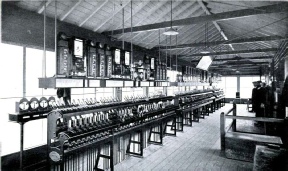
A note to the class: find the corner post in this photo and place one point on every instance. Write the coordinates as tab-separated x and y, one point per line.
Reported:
234	114
222	130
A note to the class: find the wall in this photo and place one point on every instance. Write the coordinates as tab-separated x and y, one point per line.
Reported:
26	28
286	66
279	59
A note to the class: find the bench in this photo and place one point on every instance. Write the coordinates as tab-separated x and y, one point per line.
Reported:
240	145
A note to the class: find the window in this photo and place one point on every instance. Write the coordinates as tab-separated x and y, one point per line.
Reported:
172	75
172	90
11	68
33	71
11	91
9	131
102	93
50	72
128	92
229	85
246	86
155	90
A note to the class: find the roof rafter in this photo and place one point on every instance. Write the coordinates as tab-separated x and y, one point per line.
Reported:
150	12
240	59
86	18
281	7
233	52
42	6
70	9
214	22
134	11
189	12
110	16
235	41
159	17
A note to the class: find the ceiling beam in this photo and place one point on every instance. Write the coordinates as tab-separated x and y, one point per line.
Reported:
243	69
214	36
195	11
98	7
186	11
134	12
162	16
111	16
149	13
233	52
214	22
235	41
70	9
281	7
239	59
231	66
42	6
176	14
252	64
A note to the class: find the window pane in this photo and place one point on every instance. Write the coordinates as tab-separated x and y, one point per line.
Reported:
231	92
246	86
33	71
231	82
11	68
128	92
35	133
50	64
246	92
246	82
77	91
50	72
155	90
9	131
89	93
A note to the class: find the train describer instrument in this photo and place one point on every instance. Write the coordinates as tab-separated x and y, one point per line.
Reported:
64	56
79	64
91	59
126	57
101	60
109	61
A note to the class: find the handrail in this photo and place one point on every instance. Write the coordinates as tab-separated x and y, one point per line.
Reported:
223	129
262	119
224	116
229	111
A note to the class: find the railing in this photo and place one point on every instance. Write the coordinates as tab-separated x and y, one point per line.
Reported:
234	117
224	129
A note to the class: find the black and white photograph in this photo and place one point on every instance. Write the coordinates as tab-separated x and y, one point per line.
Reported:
144	85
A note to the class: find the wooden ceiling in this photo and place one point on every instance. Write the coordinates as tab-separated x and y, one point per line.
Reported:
248	31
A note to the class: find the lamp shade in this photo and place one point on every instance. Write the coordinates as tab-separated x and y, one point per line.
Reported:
205	52
171	32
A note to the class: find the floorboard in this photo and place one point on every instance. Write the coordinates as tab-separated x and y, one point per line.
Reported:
196	148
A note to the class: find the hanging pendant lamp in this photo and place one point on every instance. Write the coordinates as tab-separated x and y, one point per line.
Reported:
171	31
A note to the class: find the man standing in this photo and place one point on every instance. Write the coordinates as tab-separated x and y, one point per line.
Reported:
255	97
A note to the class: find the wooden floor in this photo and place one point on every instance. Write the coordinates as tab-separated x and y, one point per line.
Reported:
197	148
